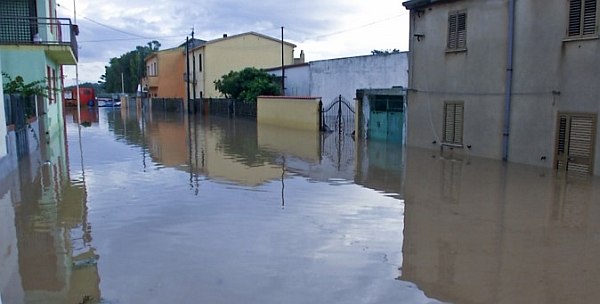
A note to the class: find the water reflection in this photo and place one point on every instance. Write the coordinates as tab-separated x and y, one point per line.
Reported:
219	210
46	252
243	152
477	231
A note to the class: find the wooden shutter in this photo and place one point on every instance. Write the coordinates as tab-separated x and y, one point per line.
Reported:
457	30
575	140
561	142
580	144
589	17
582	17
453	123
461	30
452	31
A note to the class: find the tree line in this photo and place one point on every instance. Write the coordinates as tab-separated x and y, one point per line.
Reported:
131	66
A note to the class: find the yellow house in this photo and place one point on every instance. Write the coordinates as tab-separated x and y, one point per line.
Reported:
215	58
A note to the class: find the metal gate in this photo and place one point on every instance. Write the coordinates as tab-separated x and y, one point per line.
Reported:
337	124
338	116
575	141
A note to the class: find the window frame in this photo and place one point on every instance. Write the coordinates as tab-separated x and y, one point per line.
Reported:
453	142
581	30
453	43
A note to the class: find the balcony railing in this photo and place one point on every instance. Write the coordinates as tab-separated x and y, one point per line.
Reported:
36	30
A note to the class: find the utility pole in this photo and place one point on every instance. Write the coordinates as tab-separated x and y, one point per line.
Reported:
193	74
187	71
282	66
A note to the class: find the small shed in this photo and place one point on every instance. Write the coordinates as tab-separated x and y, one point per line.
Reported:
381	114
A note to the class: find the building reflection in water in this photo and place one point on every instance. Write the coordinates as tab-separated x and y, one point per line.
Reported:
479	231
242	152
46	252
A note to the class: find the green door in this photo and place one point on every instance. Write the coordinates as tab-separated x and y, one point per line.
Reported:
386	119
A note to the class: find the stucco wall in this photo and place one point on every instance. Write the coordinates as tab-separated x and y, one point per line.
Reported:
343	76
171	63
297	80
289	112
552	74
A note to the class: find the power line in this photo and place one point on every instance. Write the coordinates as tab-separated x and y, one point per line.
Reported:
359	27
131	39
107	26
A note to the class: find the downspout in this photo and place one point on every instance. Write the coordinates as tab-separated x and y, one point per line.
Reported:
509	78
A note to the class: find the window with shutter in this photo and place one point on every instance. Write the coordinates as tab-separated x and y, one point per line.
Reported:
457	31
453	123
582	18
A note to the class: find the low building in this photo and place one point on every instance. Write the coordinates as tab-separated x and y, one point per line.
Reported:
513	80
366	79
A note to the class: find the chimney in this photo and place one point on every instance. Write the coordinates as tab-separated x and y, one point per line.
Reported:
224	35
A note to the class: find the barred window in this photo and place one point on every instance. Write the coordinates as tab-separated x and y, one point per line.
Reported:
582	18
457	30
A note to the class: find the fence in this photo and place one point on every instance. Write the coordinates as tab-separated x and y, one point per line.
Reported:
224	107
167	104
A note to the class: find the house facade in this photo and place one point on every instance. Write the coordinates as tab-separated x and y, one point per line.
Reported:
35	44
506	79
215	58
164	74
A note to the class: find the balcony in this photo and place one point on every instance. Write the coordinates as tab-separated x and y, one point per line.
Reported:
56	35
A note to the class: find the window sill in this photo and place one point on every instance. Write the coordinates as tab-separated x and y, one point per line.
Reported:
449	51
581	38
451	145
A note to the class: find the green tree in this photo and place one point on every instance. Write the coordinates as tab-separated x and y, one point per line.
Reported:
131	65
385	52
247	84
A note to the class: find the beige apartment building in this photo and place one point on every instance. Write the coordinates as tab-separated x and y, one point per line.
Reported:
506	79
215	58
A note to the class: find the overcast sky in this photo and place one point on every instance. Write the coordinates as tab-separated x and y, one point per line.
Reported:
323	29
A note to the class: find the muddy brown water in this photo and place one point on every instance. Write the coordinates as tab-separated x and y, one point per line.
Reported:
159	208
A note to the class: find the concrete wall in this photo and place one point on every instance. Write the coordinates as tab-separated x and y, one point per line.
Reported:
544	62
297	79
289	112
235	53
330	78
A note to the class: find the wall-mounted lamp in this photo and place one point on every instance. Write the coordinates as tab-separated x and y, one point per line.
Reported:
419	36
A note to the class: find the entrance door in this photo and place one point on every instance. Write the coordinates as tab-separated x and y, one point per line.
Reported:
575	141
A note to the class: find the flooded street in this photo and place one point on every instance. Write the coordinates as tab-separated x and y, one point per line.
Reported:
162	209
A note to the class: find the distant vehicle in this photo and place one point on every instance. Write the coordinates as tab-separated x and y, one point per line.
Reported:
87	97
108	102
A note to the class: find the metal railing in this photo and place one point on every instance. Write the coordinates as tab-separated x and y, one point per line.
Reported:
39	30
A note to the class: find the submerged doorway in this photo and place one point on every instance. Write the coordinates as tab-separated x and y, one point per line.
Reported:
575	142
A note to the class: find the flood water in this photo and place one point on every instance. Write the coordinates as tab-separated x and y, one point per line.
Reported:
159	208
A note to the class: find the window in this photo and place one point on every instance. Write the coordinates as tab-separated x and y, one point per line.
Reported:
453	123
457	30
582	18
200	62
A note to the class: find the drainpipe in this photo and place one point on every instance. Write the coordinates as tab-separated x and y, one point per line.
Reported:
509	78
